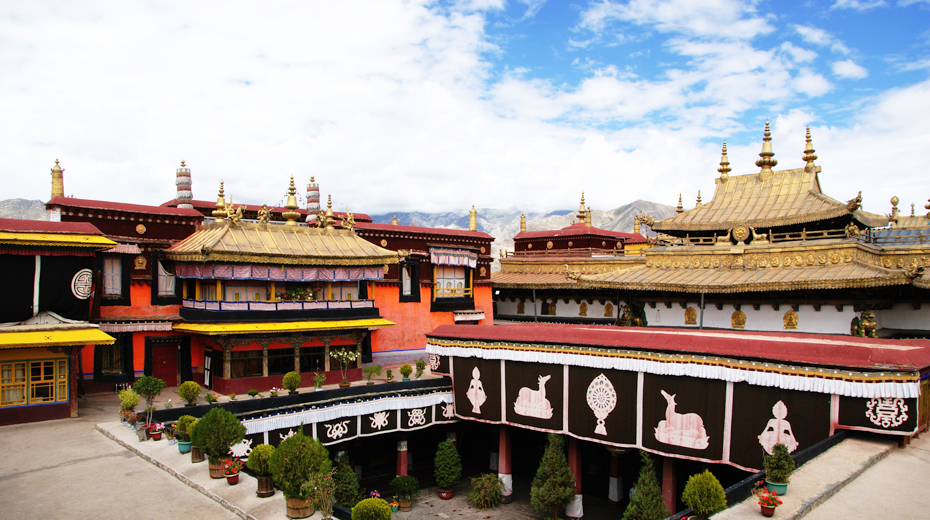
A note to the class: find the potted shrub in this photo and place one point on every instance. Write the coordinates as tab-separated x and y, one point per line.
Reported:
344	356
553	487
183	432
405	487
421	367
170	433
405	371
322	487
778	469
211	398
371	509
231	468
128	400
371	371
447	468
346	492
768	500
485	491
214	434
647	502
704	495
291	381
389	374
149	387
293	462
260	463
196	452
319	379
189	391
252	393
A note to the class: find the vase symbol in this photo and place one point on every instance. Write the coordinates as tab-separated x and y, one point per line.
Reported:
533	403
475	393
778	430
602	399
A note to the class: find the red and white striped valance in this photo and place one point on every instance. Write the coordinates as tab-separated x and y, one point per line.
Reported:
290	274
137	326
453	257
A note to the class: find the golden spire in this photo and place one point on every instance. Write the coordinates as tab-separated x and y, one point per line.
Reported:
636	224
58	181
220	210
523	222
291	214
581	210
473	219
680	208
698	205
329	212
767	156
394	221
912	209
809	153
724	164
587	217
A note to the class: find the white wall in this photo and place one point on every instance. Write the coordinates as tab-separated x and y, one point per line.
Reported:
904	316
827	321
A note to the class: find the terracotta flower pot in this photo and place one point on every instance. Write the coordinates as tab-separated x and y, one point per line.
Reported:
233	479
156	436
767	511
405	505
445	494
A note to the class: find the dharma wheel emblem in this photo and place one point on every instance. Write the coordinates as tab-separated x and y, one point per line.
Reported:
602	399
741	233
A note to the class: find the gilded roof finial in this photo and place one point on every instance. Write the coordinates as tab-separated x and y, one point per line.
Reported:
587	217
809	153
698	205
912	209
220	209
473	219
394	221
636	219
724	164
767	156
523	221
894	209
58	181
581	210
291	214
326	219
928	208
680	208
349	221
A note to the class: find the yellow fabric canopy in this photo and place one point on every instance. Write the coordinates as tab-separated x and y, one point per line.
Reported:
20	338
214	329
56	239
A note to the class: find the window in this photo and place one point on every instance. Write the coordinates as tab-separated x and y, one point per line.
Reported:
166	280
113	363
112	276
245	363
451	282
33	382
405	280
280	361
343	291
312	359
111	357
409	281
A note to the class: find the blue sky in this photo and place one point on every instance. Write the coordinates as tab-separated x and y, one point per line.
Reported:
436	106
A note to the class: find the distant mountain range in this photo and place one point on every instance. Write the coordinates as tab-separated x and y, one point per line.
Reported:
501	224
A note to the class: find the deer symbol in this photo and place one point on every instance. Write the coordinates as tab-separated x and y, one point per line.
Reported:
533	403
686	430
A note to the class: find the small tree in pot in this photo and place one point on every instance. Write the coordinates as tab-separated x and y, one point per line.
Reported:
405	487
149	387
183	432
371	371
421	367
344	356
405	371
291	381
214	434
554	485
704	495
346	492
778	469
196	452
189	391
447	468
646	503
128	400
293	462
260	463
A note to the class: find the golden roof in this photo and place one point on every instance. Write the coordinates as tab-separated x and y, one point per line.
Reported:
531	281
786	197
228	241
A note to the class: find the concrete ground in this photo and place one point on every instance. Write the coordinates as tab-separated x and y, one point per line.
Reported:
92	467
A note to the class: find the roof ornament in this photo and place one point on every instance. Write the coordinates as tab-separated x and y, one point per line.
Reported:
58	181
394	221
348	222
473	219
291	206
581	210
220	209
724	164
854	203
767	156
264	215
680	208
587	217
523	220
326	219
234	214
636	220
912	209
928	208
184	197
809	153
894	210
698	205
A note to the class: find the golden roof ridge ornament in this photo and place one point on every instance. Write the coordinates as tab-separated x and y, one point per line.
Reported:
394	221
767	160
473	219
698	205
523	220
927	207
348	222
680	208
291	206
325	219
724	164
587	217
581	211
809	153
220	209
893	217
58	180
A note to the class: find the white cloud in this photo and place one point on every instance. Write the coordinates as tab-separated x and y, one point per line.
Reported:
849	69
798	54
858	5
820	37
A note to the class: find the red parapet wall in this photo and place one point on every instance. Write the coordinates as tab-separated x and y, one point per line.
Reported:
26	414
241	386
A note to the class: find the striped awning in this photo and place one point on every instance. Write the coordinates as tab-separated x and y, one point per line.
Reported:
30	337
453	257
126	249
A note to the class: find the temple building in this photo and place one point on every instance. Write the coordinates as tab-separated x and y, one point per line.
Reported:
44	316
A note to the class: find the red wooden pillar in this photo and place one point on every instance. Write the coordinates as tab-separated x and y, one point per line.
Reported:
402	456
575	508
614	488
668	483
503	463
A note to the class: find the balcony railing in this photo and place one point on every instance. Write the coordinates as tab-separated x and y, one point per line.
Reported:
453	293
214	311
316	305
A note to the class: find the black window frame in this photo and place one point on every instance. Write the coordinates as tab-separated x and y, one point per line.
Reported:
125	268
124	340
454	304
156	298
414	296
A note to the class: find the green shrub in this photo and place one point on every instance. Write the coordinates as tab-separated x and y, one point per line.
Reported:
319	379
646	503
346	493
447	466
252	393
405	487
291	381
405	370
260	459
421	367
553	486
184	425
779	465
128	399
189	391
216	432
294	461
371	509
321	487
371	371
149	387
486	491
704	495
191	428
389	374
